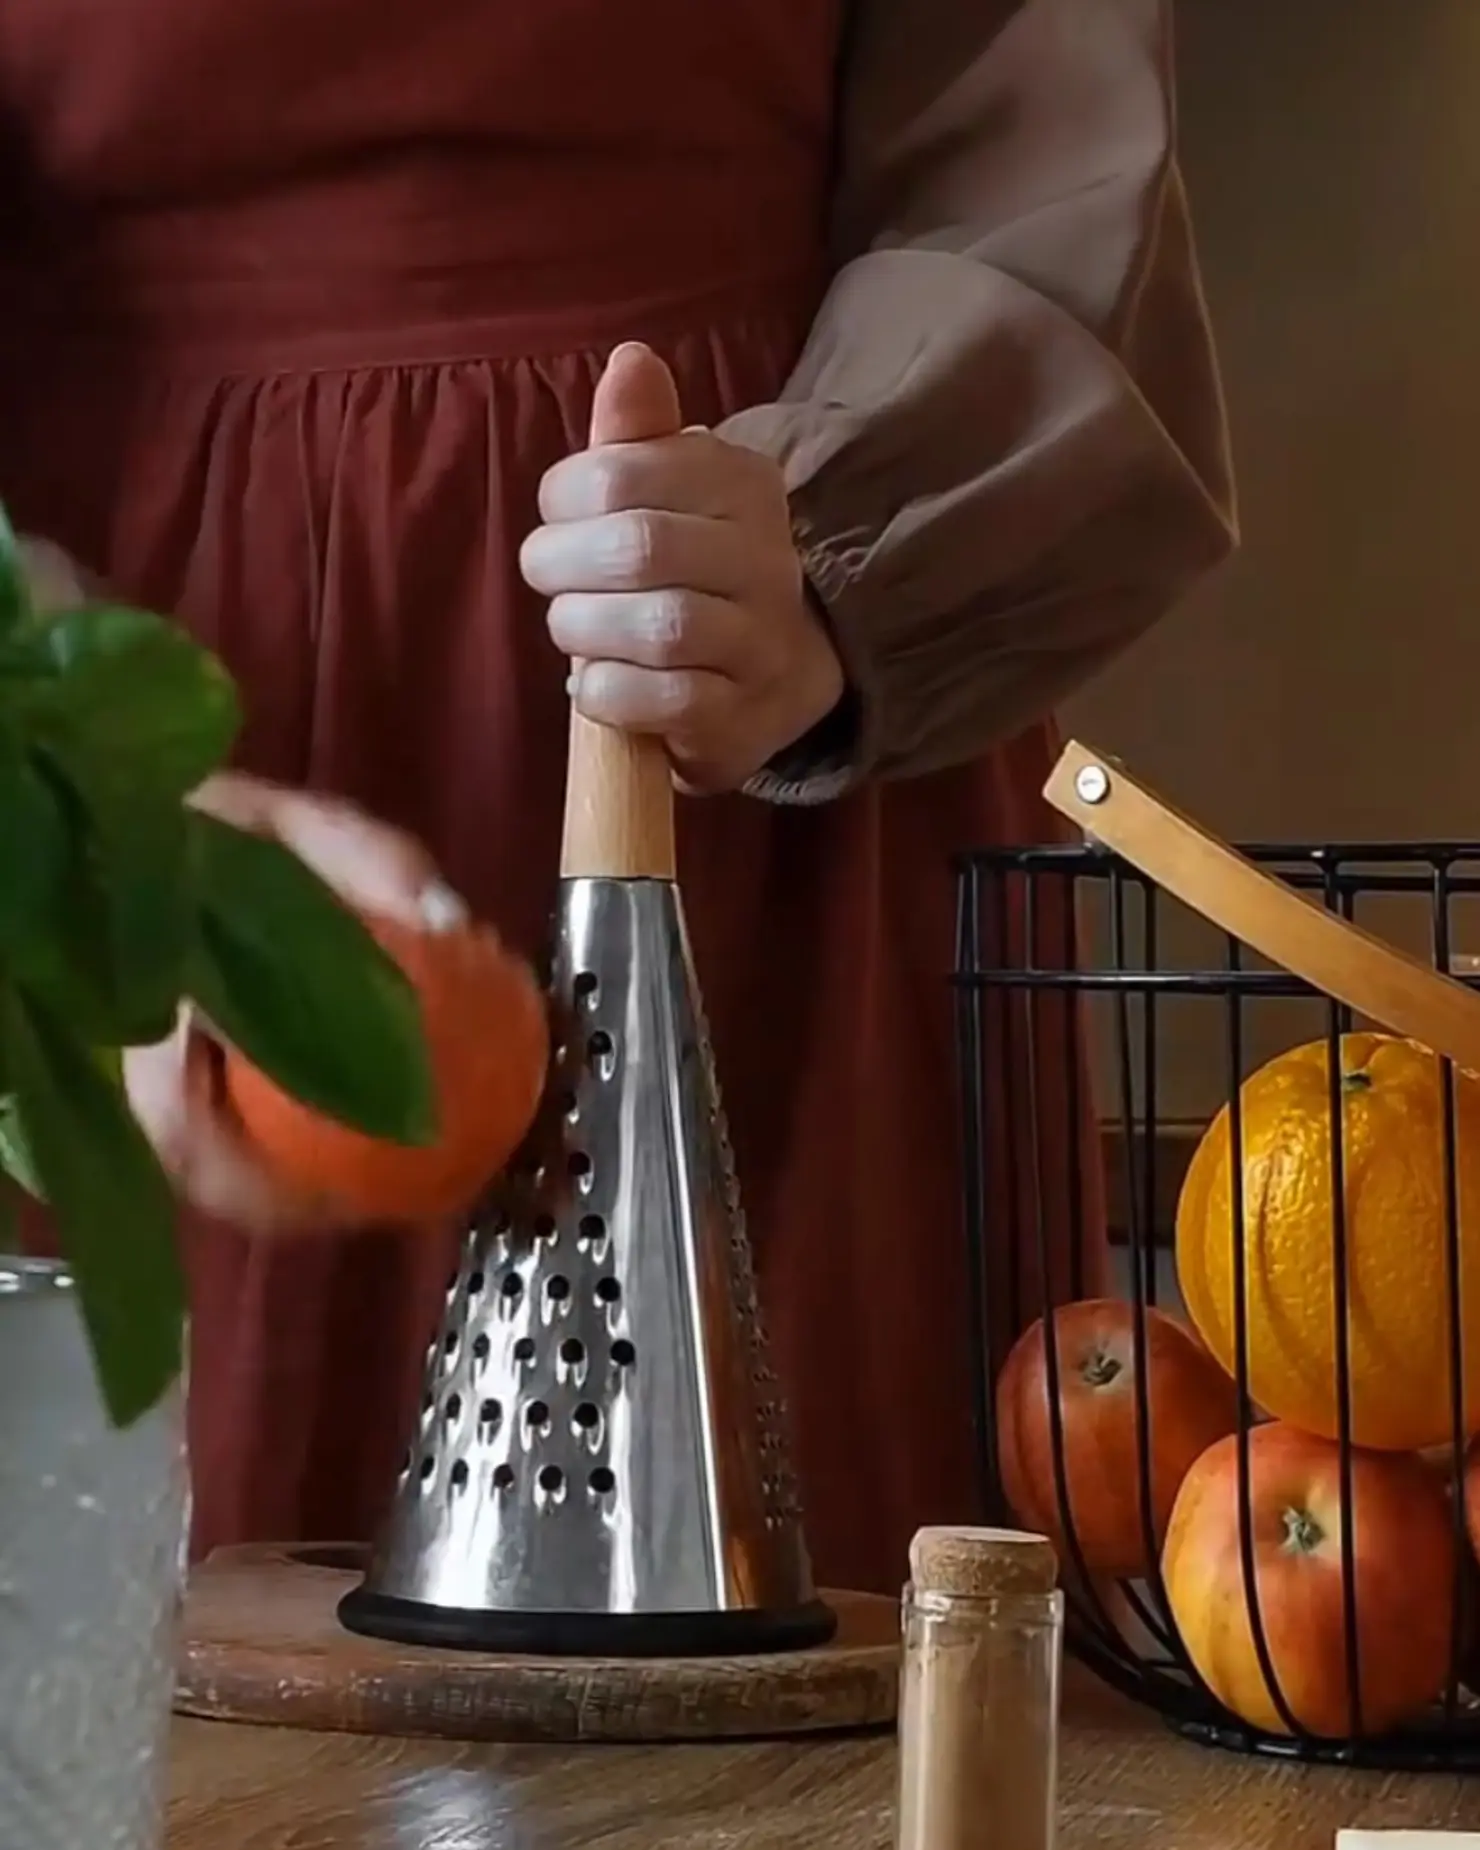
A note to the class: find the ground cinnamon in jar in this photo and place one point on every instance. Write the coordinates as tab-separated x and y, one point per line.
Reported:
979	1699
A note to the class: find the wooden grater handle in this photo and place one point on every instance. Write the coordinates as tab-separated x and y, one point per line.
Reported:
1374	978
619	788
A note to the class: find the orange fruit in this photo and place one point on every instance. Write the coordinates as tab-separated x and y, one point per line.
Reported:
1403	1571
487	1035
1397	1286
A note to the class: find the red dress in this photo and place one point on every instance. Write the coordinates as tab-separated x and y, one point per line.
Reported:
299	300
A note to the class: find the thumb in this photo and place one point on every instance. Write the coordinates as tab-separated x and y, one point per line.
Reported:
175	1091
636	399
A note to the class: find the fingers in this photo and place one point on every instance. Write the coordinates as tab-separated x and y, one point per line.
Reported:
673	702
691	473
245	802
370	865
639	550
56	582
652	629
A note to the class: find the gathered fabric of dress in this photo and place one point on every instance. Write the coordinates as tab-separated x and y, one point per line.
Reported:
298	300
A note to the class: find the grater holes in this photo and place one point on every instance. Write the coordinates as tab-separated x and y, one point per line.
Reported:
546	1229
457	1478
569	1107
452	1409
586	987
573	1352
578	1168
427	1468
585	1422
503	1477
537	1418
623	1353
608	1290
476	1282
602	1481
490	1416
524	1351
601	1051
550	1484
557	1291
590	1233
481	1348
511	1287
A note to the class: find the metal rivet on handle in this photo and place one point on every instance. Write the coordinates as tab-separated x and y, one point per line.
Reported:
1092	783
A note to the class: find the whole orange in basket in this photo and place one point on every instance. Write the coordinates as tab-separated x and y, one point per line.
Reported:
1190	1402
487	1039
1392	1109
1404	1580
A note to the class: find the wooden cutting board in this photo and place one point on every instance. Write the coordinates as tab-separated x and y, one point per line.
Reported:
262	1645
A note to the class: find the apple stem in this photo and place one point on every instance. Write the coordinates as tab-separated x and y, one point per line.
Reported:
1101	1368
1303	1534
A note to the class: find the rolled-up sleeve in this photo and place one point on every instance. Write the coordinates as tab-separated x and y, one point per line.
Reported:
1004	439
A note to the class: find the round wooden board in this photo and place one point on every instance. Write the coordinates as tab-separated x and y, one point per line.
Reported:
262	1644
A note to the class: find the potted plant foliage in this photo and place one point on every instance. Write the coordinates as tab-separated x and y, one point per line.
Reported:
118	902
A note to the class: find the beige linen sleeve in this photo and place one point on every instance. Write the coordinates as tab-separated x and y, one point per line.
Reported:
1004	439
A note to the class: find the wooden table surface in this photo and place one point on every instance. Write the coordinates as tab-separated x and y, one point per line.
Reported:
1125	1785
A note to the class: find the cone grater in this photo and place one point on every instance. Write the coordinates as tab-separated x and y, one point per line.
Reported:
601	1466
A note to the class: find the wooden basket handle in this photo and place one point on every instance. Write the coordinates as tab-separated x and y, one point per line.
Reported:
619	788
1391	988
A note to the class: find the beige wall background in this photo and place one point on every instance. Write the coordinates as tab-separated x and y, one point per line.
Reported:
1326	684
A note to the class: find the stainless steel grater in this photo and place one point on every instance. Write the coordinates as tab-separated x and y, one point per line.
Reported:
601	1466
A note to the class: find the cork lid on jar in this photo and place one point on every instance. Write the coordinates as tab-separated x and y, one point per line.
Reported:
967	1563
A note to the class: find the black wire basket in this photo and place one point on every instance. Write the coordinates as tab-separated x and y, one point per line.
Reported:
1233	1558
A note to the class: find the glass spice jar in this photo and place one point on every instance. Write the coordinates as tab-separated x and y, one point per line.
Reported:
979	1695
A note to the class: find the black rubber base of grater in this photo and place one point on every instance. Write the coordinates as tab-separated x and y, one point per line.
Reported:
588	1634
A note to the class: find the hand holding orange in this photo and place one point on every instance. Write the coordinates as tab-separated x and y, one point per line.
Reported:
485	1024
238	1148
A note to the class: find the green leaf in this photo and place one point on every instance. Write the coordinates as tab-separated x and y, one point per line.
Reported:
113	956
33	848
299	986
141	857
112	1202
15	1156
123	697
15	597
